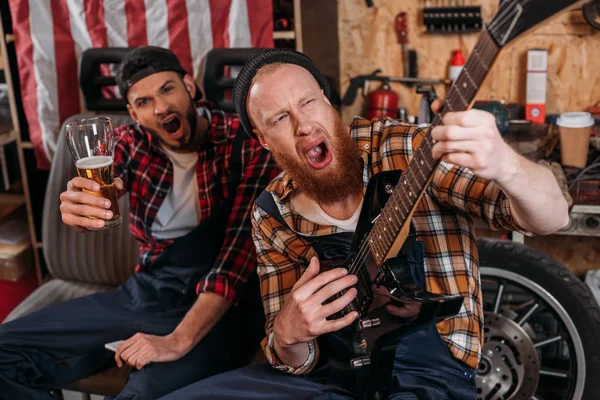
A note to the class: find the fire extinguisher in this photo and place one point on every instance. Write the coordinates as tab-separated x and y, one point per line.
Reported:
383	102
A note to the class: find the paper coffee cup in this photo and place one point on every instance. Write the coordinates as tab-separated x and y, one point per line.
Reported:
575	129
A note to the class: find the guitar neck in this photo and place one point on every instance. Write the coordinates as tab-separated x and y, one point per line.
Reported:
414	180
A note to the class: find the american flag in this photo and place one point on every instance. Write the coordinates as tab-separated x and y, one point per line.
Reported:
50	36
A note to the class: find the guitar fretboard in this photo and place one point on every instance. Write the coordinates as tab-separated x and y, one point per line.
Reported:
420	169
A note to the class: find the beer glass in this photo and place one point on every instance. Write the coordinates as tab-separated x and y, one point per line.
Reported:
92	145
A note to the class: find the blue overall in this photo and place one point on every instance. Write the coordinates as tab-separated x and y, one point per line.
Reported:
65	342
422	367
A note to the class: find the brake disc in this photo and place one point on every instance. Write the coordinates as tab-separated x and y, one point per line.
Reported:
509	366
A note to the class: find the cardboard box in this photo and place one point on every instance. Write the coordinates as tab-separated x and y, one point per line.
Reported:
15	261
537	75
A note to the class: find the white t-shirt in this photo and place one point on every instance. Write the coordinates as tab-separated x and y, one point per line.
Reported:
312	211
178	213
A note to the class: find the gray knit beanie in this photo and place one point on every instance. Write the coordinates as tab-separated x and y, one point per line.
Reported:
270	56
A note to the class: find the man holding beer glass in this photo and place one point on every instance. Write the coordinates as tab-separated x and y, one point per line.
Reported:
193	308
92	145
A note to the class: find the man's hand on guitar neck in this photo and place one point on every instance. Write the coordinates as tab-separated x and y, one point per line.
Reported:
471	139
304	316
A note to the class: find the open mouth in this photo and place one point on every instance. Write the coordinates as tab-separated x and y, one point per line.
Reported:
318	154
172	125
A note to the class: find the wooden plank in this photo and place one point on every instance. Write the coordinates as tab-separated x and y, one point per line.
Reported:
12	198
9	203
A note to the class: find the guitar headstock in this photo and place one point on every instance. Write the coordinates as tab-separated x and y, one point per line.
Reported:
516	16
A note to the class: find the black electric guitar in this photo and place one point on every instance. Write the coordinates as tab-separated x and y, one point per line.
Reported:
384	234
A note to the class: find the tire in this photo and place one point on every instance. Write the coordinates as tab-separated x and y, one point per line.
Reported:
519	271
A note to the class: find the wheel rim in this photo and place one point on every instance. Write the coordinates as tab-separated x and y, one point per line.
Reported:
534	363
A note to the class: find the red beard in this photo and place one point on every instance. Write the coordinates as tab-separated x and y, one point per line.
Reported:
336	182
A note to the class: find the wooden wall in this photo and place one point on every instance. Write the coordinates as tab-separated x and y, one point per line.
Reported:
367	41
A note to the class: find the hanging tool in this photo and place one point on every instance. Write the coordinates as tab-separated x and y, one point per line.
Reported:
409	57
402	34
452	19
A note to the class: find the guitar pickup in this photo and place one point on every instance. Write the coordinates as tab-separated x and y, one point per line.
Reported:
369	323
360	362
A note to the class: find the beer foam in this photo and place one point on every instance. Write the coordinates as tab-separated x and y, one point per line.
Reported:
94	162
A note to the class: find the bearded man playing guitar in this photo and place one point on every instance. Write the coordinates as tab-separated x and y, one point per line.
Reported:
319	196
395	204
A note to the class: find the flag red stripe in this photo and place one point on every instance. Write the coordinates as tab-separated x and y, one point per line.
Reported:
94	20
67	81
65	70
260	17
135	11
24	47
219	21
179	34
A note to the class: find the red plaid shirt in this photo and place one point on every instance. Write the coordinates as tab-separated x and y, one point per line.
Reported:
147	174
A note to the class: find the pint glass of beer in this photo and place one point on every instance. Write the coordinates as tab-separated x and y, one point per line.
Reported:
92	145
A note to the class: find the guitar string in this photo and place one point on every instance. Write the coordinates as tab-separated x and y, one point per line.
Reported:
361	256
357	266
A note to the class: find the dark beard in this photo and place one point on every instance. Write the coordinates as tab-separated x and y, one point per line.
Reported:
334	184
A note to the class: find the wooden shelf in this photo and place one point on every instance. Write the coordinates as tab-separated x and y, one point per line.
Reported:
285	35
9	203
12	198
26	145
7	138
9	38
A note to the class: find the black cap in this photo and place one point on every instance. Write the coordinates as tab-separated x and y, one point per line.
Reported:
145	61
244	79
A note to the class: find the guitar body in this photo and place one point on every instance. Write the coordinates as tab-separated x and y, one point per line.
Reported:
402	276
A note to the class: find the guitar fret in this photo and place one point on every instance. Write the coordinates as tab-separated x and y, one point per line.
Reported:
476	53
448	104
468	75
413	182
376	245
395	215
391	221
412	194
465	102
406	208
387	234
422	173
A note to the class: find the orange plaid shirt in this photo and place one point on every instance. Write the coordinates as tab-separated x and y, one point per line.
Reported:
443	220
